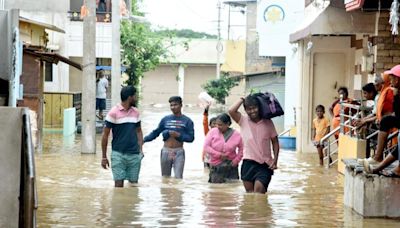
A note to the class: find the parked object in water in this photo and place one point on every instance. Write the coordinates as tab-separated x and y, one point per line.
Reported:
99	127
287	142
287	139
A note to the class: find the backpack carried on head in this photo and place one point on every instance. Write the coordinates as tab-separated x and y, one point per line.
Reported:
269	105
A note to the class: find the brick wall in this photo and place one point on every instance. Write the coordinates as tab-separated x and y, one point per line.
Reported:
388	45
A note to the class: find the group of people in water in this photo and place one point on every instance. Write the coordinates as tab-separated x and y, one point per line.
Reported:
224	148
256	146
384	117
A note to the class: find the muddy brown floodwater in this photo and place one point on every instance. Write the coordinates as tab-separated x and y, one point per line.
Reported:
74	191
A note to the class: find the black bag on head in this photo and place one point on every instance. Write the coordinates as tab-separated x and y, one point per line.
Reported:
269	105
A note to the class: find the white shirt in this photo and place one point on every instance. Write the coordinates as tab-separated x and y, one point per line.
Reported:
101	88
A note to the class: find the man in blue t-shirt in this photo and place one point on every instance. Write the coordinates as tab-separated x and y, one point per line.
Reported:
175	129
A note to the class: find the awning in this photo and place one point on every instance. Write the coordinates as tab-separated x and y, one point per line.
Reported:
240	3
370	5
51	57
353	4
326	20
123	68
44	25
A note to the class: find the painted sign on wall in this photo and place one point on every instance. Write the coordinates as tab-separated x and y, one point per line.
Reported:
276	19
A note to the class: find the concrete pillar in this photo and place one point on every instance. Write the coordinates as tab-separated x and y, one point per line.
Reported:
181	81
11	62
299	110
89	80
10	165
292	85
116	54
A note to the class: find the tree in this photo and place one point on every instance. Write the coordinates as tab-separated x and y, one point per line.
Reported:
142	50
219	88
185	33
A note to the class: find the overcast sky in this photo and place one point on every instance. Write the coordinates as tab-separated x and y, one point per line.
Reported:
198	15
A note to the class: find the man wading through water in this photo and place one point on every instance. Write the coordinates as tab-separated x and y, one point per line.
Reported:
127	140
175	129
258	135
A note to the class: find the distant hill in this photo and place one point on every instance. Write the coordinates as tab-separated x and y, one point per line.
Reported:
185	33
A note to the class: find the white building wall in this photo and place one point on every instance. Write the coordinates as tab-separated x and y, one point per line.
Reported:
39	6
275	20
55	14
58	43
313	92
103	39
292	87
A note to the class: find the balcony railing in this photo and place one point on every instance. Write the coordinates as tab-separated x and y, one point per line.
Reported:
100	16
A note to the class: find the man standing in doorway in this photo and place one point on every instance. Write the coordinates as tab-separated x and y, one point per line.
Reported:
101	94
176	129
127	140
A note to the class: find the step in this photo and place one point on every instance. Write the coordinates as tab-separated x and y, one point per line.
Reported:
371	195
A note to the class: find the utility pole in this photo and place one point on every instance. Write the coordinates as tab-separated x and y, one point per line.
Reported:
89	80
229	21
116	54
219	44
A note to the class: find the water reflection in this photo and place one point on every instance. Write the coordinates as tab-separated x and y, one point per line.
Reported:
74	191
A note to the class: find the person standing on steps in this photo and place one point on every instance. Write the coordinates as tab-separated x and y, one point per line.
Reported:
101	94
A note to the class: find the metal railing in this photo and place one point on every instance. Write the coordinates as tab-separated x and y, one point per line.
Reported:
372	143
100	16
284	132
392	146
28	192
328	143
345	127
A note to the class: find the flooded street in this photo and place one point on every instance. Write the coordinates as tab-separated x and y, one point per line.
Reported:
74	191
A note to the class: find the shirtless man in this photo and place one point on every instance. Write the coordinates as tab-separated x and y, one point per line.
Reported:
175	129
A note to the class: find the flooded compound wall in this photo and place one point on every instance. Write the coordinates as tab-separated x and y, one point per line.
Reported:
10	161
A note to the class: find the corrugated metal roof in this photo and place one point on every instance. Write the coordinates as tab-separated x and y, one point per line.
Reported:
50	57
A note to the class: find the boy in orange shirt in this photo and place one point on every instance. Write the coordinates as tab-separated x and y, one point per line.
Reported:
321	127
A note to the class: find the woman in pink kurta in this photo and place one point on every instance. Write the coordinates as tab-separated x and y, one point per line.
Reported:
225	149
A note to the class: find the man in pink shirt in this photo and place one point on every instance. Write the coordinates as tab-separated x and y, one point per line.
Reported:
258	135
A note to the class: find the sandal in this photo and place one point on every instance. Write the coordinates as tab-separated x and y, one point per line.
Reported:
390	173
367	166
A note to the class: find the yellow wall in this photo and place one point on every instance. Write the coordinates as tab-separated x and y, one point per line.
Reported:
31	34
235	56
55	103
350	147
75	76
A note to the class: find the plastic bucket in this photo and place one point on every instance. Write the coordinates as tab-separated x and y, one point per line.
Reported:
287	142
205	99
